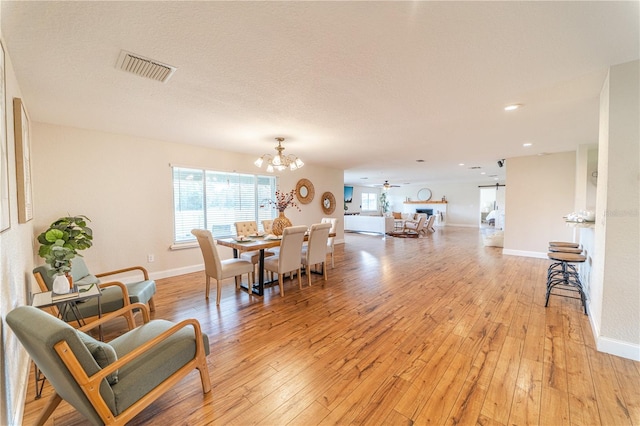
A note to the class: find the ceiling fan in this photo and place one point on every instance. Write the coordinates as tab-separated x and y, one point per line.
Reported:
387	185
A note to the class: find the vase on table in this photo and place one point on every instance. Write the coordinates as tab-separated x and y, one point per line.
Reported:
61	284
279	223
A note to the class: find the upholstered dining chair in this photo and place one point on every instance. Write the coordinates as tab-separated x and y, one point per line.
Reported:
315	253
267	226
110	383
288	259
247	229
334	224
114	295
219	269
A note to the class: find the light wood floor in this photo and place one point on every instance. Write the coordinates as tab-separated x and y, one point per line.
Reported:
436	330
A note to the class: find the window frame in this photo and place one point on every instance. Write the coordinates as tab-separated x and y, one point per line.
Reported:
366	202
215	194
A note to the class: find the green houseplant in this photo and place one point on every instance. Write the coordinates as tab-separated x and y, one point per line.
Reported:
60	243
384	203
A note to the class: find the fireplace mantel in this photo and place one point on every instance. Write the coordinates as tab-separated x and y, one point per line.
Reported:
425	202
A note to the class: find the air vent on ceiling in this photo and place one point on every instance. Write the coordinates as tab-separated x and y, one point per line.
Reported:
144	67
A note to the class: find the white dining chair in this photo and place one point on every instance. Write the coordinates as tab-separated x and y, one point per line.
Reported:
315	253
219	269
288	259
334	222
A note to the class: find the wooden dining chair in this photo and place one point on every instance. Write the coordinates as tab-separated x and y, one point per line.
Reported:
288	259
219	269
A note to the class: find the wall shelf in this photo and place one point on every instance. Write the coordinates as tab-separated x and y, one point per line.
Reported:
425	202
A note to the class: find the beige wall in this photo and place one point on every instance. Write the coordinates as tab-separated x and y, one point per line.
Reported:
124	185
539	192
16	263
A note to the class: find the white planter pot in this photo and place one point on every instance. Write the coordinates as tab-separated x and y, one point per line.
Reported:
61	284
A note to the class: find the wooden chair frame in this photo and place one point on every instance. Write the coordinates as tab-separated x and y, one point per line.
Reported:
145	274
90	385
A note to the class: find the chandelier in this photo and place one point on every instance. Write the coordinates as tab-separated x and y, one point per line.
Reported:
279	161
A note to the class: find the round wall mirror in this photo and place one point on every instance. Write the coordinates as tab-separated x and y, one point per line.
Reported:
328	203
304	191
424	194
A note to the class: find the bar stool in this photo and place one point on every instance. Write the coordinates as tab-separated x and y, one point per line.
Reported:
563	244
564	247
563	275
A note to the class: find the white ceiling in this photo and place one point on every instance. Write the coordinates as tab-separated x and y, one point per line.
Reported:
368	87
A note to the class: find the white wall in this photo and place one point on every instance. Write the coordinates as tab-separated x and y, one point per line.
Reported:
539	192
463	200
16	254
355	206
615	286
124	185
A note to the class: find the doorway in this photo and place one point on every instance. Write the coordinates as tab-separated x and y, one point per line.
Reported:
492	198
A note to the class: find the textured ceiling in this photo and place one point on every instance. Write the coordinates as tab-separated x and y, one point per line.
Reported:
368	87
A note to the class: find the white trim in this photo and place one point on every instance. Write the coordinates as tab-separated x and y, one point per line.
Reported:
182	246
536	254
175	272
459	225
613	346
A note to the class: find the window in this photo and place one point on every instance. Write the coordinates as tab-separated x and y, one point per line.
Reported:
213	200
369	201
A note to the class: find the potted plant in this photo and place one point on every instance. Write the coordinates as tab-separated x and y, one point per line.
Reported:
384	203
60	243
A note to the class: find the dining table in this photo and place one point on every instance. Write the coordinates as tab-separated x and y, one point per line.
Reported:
256	243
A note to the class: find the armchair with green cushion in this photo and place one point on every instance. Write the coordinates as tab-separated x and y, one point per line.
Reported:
110	383
115	294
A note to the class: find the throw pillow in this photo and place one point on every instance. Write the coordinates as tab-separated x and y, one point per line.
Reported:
103	353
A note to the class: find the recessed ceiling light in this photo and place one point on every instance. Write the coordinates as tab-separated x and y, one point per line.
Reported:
475	167
483	173
364	178
461	164
527	145
512	107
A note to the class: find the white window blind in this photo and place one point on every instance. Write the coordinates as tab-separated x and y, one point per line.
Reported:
228	197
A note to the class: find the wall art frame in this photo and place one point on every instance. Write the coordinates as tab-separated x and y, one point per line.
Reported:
5	210
305	191
23	161
348	194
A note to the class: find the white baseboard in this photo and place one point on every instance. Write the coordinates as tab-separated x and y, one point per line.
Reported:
459	225
523	253
177	271
613	346
618	348
134	277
